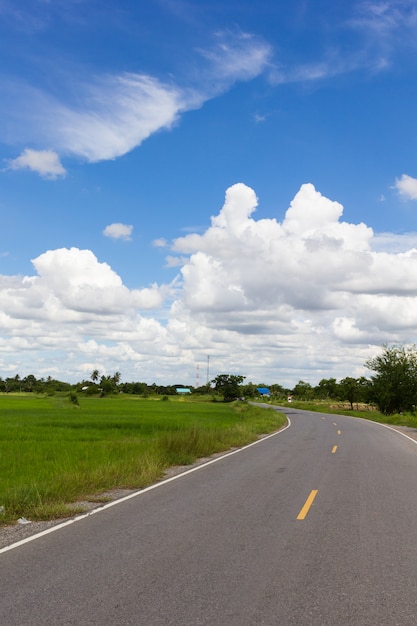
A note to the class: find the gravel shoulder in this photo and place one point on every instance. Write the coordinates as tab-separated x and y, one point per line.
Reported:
406	430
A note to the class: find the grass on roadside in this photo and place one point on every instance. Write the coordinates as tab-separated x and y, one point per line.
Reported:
54	452
364	411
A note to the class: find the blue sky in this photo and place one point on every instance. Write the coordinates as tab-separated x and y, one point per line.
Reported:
229	179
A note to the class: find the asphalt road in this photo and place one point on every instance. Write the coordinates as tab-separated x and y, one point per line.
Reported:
316	525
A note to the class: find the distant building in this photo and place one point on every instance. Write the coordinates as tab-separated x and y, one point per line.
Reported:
263	391
183	390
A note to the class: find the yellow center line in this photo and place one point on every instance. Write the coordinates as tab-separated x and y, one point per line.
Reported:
303	513
334	449
339	432
334	424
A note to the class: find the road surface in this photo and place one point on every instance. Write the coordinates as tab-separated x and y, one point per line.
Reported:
314	526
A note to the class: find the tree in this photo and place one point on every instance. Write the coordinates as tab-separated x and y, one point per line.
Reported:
349	390
228	385
109	384
106	385
95	376
30	382
394	386
250	390
116	378
303	390
327	388
279	390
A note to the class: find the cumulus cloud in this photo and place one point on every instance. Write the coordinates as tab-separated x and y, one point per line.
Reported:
310	296
70	293
300	262
118	231
310	286
406	187
44	162
394	242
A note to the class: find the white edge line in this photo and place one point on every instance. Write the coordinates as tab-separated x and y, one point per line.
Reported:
78	518
389	427
363	419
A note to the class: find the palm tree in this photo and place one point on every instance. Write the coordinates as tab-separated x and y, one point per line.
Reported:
95	375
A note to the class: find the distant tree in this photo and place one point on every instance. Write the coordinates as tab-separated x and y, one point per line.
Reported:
229	386
349	389
250	390
135	388
95	375
303	390
203	389
166	390
106	385
364	388
279	390
13	384
394	386
326	389
116	378
30	383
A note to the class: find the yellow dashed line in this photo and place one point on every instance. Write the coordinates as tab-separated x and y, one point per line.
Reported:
303	513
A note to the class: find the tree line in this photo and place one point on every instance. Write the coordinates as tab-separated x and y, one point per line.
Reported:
392	387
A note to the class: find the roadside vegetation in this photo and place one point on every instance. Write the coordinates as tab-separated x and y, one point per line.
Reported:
61	444
364	411
58	450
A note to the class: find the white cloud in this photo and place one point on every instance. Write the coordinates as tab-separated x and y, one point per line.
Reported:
174	261
44	162
71	287
119	113
103	117
160	243
235	58
118	231
386	18
242	262
394	242
406	187
369	37
309	297
259	118
113	114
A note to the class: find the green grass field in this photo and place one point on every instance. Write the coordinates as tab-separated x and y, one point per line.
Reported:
53	452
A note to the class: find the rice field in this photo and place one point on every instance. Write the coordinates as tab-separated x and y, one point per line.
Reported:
55	452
